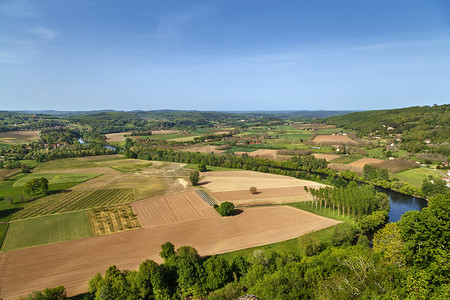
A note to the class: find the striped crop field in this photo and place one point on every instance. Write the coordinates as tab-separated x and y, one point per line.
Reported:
74	201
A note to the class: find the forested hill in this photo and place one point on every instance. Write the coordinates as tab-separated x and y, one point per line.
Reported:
106	122
416	124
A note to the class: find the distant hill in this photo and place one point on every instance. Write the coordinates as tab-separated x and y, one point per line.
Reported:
415	124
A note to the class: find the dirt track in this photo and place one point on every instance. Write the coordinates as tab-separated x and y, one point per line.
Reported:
73	263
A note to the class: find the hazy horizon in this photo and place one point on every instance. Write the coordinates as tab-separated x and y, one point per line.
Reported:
84	55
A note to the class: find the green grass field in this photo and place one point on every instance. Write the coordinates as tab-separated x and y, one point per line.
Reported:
56	178
346	159
74	163
329	213
45	230
73	201
10	188
330	130
376	152
415	176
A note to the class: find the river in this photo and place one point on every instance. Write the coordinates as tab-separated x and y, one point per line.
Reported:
81	141
402	203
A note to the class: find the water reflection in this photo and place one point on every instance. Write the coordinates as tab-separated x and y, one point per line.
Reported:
402	203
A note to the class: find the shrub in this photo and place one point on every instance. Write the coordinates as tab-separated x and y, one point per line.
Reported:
253	190
194	177
201	167
225	209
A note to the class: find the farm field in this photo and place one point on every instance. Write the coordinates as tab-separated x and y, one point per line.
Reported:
56	178
171	209
365	161
346	159
416	176
327	157
45	230
144	186
273	189
19	137
73	263
112	219
266	153
5	173
342	139
117	137
75	163
184	139
204	149
126	165
74	200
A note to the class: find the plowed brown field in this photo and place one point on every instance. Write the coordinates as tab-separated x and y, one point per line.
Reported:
365	161
264	196
73	263
117	137
173	209
205	149
333	139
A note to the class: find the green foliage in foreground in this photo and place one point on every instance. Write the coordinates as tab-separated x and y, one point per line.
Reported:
45	230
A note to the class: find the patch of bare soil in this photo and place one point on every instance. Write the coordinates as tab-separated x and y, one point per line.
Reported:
204	149
19	137
365	161
225	181
173	209
266	196
100	157
117	137
339	139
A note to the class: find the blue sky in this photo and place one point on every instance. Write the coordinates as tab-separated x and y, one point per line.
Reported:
223	55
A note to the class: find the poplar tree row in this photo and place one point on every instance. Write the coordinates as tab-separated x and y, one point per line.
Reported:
352	200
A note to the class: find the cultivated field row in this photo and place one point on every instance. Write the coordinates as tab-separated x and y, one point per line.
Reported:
113	219
75	200
173	209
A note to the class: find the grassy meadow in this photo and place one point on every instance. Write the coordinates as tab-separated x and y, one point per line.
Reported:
56	178
415	176
46	230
